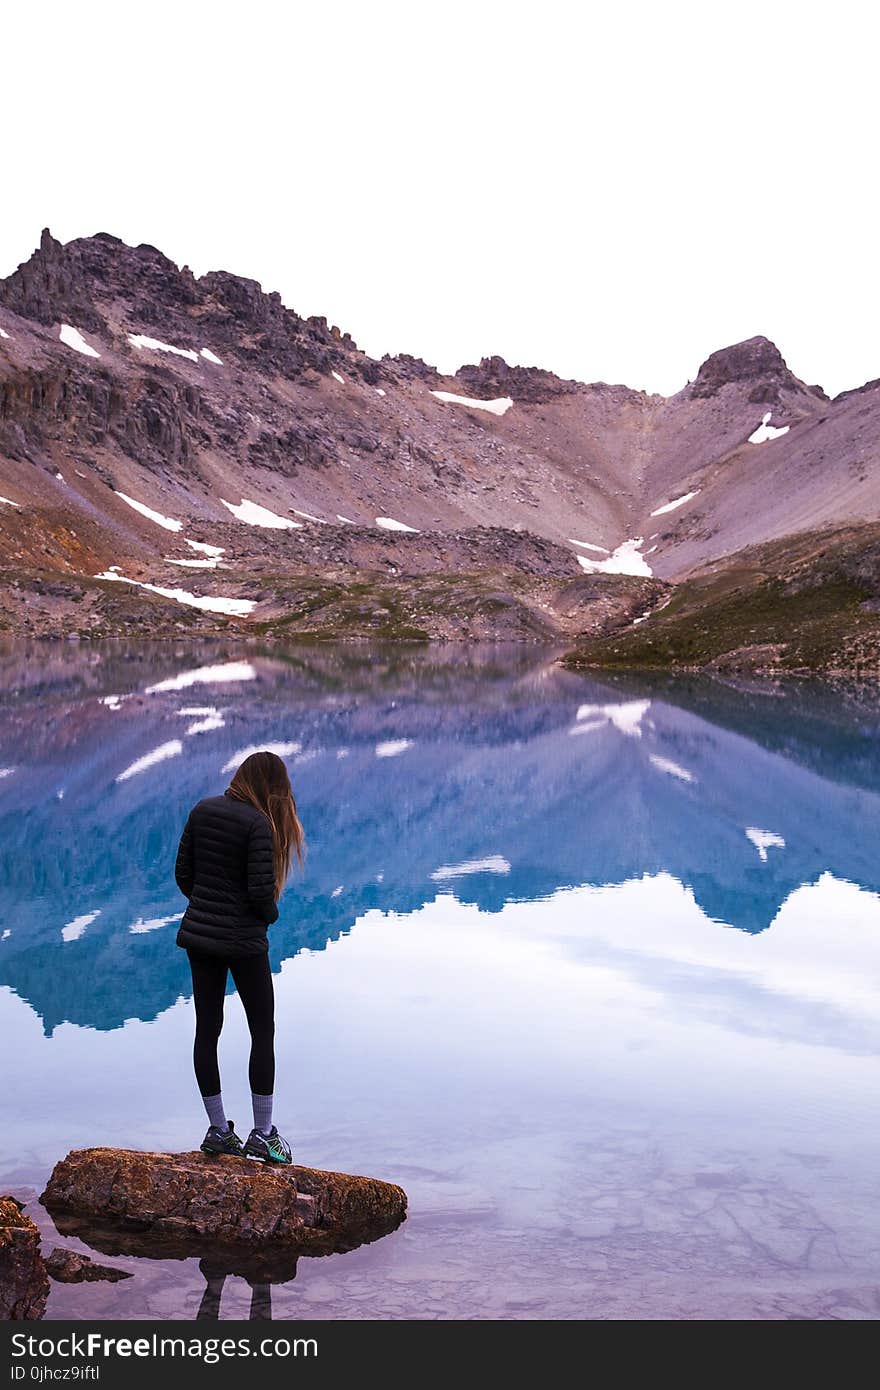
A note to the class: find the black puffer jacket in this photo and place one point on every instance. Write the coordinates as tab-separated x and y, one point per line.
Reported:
224	866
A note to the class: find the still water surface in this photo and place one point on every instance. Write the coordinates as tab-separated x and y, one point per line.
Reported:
591	966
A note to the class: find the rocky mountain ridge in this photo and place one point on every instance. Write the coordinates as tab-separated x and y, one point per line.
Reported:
148	416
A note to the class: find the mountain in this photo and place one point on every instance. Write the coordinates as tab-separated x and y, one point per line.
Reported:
196	436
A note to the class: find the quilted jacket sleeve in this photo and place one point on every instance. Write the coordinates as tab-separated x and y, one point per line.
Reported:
184	870
261	871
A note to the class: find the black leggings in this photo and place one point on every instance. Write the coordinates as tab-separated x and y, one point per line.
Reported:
253	980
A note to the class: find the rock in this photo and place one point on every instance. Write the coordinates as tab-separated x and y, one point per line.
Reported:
50	289
70	1267
493	378
411	367
24	1283
214	1202
756	363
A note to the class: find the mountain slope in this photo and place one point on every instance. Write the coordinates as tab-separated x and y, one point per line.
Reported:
150	419
809	602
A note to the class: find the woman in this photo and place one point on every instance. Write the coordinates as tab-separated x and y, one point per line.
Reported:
234	856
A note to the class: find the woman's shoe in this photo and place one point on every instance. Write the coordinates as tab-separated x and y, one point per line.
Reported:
271	1148
218	1141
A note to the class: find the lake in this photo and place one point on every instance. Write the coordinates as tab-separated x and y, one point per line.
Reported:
590	965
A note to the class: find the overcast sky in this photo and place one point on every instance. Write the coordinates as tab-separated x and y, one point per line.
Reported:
609	190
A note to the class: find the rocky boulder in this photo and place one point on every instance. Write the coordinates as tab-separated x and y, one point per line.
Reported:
209	1202
24	1283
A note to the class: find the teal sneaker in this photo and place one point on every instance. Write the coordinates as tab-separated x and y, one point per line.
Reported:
271	1148
218	1141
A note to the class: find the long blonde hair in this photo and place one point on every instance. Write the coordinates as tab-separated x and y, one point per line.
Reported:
263	781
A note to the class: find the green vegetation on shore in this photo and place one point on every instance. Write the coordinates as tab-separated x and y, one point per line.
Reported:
807	603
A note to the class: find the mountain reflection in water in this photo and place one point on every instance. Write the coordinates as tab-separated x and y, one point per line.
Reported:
415	776
564	902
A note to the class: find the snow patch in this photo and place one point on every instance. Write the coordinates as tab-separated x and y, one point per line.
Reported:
6	772
492	864
624	560
587	545
158	755
255	515
337	377
393	747
208	603
139	340
111	701
389	524
74	930
339	517
4	334
152	924
8	502
167	521
626	717
72	338
308	516
767	431
379	391
337	891
7	931
496	407
672	506
193	564
281	750
211	357
60	477
204	548
764	840
205	675
673	769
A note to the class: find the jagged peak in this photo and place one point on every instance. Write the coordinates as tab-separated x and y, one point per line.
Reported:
411	367
74	282
493	376
48	288
755	362
49	243
88	280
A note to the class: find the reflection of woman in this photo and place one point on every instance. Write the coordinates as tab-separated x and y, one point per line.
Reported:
215	1278
234	856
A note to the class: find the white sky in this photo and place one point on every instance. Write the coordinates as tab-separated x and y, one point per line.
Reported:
608	190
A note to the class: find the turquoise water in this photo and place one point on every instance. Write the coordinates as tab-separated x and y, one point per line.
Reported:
590	966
